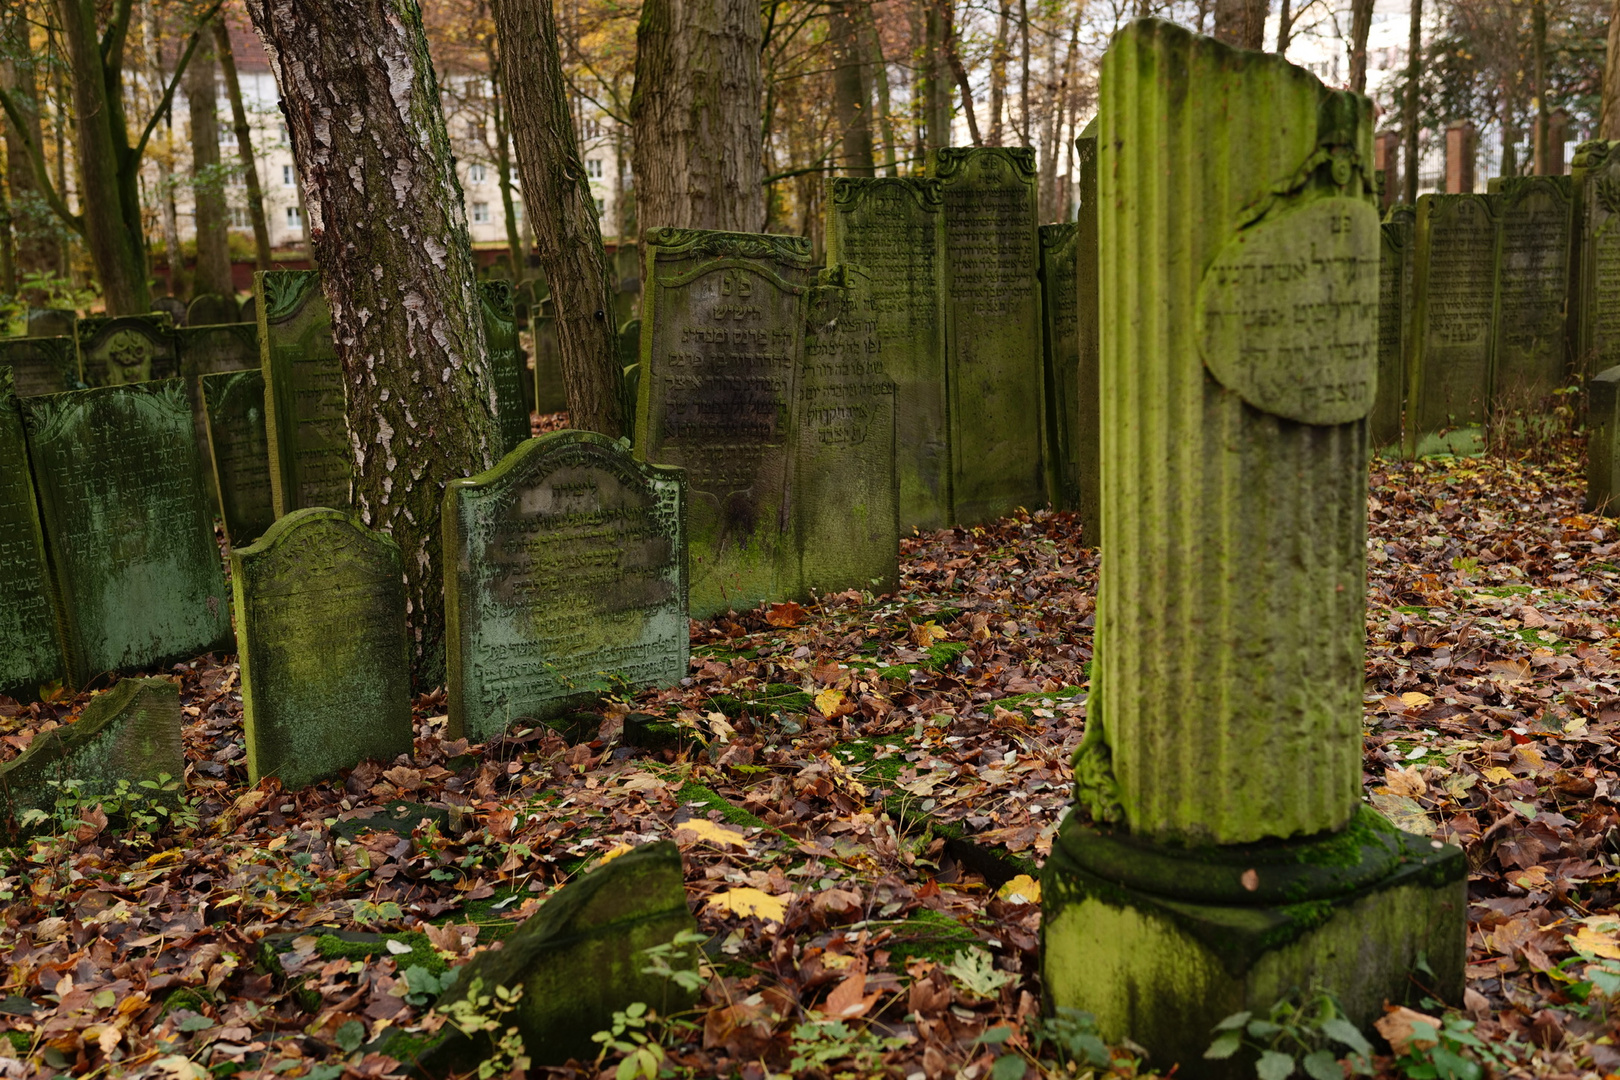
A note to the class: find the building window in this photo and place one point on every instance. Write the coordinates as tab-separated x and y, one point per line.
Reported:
601	207
227	135
294	219
286	176
593	168
475	174
239	218
480	213
475	130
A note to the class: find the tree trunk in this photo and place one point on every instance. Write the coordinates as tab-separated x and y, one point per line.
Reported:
695	115
1361	13
36	249
503	159
1241	23
852	99
998	72
936	85
563	212
1285	24
213	273
389	231
1023	75
244	145
1538	45
173	256
1609	121
872	46
953	53
1409	110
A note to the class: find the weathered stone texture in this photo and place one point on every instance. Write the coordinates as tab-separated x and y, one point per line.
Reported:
1394	314
1603	442
1595	295
305	402
501	339
211	309
118	351
239	452
30	648
41	365
1060	303
1532	284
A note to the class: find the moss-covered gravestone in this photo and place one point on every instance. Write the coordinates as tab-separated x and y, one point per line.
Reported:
51	322
1595	294
30	650
845	489
129	733
239	452
1532	284
1452	324
893	228
212	309
1060	301
550	395
565	577
1087	449
993	341
501	339
125	349
578	959
721	349
1603	441
1394	310
320	620
128	526
311	461
41	365
206	350
1218	856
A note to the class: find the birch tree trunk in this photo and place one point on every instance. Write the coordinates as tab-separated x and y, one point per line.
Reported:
213	273
389	233
563	213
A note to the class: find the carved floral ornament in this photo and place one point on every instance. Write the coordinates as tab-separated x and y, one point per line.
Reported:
285	291
848	192
703	243
993	161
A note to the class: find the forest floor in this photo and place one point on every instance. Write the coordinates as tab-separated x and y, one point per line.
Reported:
861	789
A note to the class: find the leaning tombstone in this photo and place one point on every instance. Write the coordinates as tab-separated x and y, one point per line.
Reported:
1218	855
501	340
124	349
845	490
239	452
51	322
721	346
320	619
306	414
1532	283
550	395
130	733
1060	300
565	578
171	306
893	229
1394	312
209	309
41	365
1087	449
1603	434
128	526
30	650
1452	326
1595	292
993	303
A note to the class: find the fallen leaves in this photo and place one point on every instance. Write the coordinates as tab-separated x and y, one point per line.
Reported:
747	901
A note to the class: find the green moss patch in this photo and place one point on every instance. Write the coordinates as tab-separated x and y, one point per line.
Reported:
730	813
928	935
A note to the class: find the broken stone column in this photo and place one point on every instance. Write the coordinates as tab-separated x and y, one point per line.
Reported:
1219	854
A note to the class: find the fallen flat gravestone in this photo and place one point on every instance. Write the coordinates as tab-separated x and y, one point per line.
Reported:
577	960
128	526
127	349
30	651
306	414
41	365
501	341
239	452
320	618
129	733
565	578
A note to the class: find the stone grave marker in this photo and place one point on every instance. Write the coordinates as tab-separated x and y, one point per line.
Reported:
1595	292
721	348
173	307
550	395
239	452
1394	314
208	309
250	311
205	350
501	339
1060	303
893	229
1218	852
128	526
1532	284
130	732
565	578
30	649
1603	442
993	302
1452	324
311	461
845	488
41	365
320	618
1087	449
117	351
51	322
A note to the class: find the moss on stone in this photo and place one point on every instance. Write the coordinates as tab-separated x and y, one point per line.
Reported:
928	935
691	792
364	947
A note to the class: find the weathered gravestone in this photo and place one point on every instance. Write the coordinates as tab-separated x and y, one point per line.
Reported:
1394	312
1452	324
320	620
1603	442
501	339
250	311
118	351
51	322
1532	284
205	350
171	306
893	229
550	395
845	489
128	526
721	349
129	733
993	303
1595	291
209	309
1218	856
239	452
1060	302
305	412
565	577
1087	449
30	650
41	365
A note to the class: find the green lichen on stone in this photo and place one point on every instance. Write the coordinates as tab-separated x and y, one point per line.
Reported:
928	935
306	417
364	947
30	642
693	792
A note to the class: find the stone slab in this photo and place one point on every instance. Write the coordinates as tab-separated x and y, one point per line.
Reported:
1595	291
1085	437
48	365
566	578
51	322
127	349
239	452
1603	442
30	645
1060	304
501	339
320	617
1532	285
550	395
210	309
305	401
205	350
1394	313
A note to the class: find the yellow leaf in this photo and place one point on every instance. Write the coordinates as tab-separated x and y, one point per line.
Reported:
1022	889
746	901
1496	774
928	634
614	853
1403	812
709	832
165	858
1598	936
1413	700
828	702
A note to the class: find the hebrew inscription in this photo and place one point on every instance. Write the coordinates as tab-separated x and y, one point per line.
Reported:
30	654
305	404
